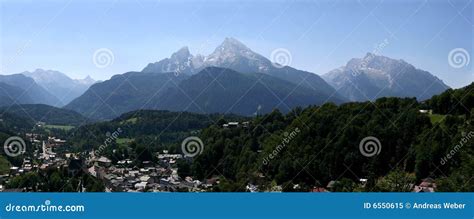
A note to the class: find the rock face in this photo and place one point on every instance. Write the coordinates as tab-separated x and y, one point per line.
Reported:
180	62
374	76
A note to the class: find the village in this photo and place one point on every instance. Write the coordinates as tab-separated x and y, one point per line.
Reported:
160	177
124	176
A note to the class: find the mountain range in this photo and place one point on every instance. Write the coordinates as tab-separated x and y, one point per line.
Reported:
60	85
232	79
41	87
27	90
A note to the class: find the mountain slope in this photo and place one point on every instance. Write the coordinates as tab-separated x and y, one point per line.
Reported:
59	84
12	124
123	93
213	90
47	114
10	95
377	76
218	90
37	93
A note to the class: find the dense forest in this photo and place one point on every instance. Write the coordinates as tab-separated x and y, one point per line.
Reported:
46	114
143	132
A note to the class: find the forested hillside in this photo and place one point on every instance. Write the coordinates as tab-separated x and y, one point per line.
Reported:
320	144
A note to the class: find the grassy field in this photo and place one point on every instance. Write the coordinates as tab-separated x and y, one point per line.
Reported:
435	118
130	121
124	141
63	127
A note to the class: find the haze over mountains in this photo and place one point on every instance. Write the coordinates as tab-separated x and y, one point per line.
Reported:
60	85
10	95
27	90
232	79
41	87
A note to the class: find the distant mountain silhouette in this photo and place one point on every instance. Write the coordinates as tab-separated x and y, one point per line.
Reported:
60	85
33	92
12	95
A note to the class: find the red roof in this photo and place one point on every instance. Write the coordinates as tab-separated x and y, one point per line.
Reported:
318	189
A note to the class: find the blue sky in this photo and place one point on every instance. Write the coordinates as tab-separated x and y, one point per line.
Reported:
320	35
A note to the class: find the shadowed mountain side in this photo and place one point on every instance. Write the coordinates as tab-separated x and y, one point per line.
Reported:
226	91
213	90
123	93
